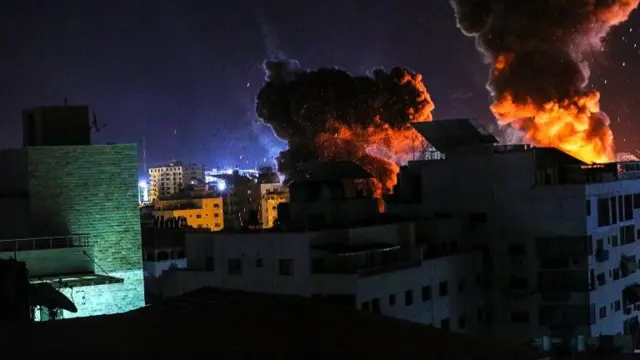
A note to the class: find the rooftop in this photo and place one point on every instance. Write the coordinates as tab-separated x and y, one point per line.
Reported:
233	324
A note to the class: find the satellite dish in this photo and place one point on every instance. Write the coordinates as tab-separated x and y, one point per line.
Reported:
44	294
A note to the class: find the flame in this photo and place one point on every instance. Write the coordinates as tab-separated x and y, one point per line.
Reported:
575	125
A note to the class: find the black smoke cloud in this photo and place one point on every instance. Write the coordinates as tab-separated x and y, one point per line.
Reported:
538	51
303	107
545	41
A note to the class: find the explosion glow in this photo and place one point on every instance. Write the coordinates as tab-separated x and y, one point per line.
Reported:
328	114
537	49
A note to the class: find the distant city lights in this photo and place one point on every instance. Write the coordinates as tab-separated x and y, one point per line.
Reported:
222	185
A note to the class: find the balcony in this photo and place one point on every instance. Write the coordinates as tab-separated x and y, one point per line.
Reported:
44	243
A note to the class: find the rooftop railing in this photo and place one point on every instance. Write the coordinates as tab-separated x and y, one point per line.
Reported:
44	243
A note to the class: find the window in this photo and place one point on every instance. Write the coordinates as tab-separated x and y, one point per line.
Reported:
445	324
461	286
603	312
616	305
588	207
628	207
408	298
616	273
365	306
286	267
426	293
198	216
259	262
392	299
614	210
636	201
462	321
520	317
604	218
443	288
216	206
614	240
375	305
234	266
209	264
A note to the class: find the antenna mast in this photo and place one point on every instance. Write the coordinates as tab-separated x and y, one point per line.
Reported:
144	153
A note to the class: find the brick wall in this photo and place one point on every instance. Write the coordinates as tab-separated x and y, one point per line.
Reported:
91	190
94	190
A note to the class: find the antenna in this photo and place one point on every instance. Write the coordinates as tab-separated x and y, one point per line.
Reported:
95	126
144	152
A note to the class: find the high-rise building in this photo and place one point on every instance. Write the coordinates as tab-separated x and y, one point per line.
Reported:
76	230
560	237
169	179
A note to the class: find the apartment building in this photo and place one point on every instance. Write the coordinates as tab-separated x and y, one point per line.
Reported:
559	237
79	232
172	178
203	211
334	244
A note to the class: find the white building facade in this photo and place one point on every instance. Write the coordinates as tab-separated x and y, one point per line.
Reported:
171	178
558	236
347	266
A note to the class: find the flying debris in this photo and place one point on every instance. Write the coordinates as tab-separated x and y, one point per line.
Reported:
329	114
537	50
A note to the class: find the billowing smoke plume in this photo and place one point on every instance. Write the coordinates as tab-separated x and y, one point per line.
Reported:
329	114
537	51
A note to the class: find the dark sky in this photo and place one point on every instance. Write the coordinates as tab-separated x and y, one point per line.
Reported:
186	72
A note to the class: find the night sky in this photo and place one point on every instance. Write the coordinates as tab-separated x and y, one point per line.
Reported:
186	72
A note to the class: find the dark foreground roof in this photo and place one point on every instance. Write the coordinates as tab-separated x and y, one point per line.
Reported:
226	324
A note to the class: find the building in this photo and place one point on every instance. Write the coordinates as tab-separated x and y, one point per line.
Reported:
163	250
271	195
204	211
169	179
334	244
559	237
70	227
251	326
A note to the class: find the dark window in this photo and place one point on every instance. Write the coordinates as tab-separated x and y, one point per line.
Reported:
603	312
603	212
209	264
408	298
286	267
445	324
443	288
426	293
592	314
365	306
588	207
235	266
392	299
614	210
460	286
375	305
616	274
616	305
636	201
520	317
259	262
620	209
628	207
614	240
462	321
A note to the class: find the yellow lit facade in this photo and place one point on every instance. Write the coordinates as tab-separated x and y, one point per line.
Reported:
204	213
269	206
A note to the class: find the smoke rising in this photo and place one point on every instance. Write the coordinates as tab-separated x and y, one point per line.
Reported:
329	114
537	50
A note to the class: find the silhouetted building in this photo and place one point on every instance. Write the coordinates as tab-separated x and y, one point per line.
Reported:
56	126
70	213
